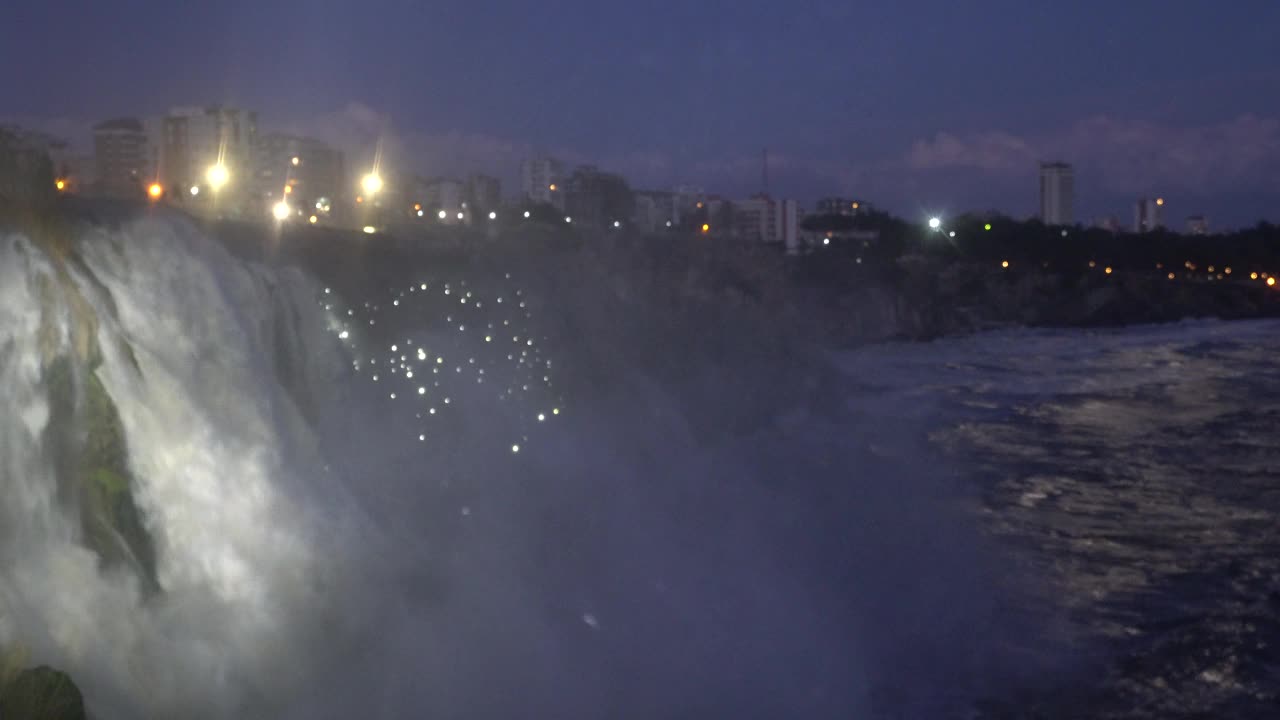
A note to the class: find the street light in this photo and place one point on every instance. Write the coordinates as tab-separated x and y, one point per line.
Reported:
155	191
568	219
61	184
493	215
371	183
295	161
217	175
935	223
281	210
195	190
442	214
526	213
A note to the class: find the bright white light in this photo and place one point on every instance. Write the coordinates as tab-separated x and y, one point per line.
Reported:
952	233
294	161
280	210
195	190
442	214
419	213
617	224
568	219
515	448
826	241
422	391
668	223
461	215
526	213
935	223
371	183
369	230
541	417
217	176
342	335
493	215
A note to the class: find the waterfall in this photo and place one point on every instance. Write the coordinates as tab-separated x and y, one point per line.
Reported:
221	495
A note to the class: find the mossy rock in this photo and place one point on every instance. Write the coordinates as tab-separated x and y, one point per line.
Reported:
87	444
12	661
41	693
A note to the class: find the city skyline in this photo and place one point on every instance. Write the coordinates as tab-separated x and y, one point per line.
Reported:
947	123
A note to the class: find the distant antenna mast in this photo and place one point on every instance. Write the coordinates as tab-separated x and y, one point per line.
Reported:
764	167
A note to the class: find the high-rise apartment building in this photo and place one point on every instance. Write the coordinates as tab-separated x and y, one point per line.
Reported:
1057	193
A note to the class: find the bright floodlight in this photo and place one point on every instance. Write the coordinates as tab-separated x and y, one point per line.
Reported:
371	183
935	223
493	215
195	190
280	210
217	175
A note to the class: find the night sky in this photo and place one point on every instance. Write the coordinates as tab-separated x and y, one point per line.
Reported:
920	106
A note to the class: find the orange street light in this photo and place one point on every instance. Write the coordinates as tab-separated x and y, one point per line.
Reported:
155	191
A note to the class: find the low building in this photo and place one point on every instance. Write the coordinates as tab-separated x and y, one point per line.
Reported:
654	210
121	157
541	179
443	200
483	193
841	206
597	199
763	219
26	171
1198	225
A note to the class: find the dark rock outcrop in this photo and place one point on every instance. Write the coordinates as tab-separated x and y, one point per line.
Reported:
41	693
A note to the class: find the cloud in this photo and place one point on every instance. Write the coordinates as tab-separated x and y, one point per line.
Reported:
1125	156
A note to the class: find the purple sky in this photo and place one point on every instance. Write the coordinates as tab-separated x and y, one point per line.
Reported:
920	105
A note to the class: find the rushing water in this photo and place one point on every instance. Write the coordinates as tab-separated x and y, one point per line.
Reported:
401	502
1136	474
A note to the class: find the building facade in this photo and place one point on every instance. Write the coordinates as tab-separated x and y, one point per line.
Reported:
541	179
1057	193
1197	225
654	210
194	139
841	206
483	193
314	172
597	199
120	154
763	219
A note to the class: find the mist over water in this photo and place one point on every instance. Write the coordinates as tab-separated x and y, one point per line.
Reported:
326	550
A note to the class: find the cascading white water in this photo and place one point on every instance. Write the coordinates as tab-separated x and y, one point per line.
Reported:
226	474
